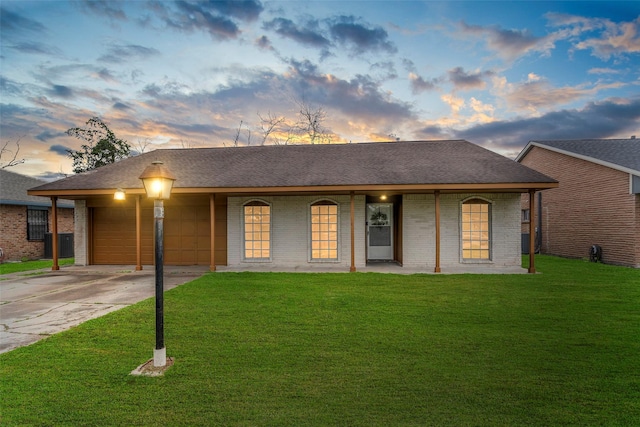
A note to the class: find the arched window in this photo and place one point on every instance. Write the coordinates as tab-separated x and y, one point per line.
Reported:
257	231
324	230
476	229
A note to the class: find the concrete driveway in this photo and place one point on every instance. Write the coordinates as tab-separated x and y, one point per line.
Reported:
35	306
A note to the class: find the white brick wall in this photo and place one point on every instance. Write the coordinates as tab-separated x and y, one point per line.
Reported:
80	234
419	230
290	230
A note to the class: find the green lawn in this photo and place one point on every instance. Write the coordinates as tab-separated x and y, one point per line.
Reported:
17	267
557	348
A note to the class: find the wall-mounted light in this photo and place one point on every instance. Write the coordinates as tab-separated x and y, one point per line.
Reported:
119	194
383	197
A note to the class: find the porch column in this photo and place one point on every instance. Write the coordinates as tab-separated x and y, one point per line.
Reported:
54	232
138	236
353	233
212	214
437	203
532	232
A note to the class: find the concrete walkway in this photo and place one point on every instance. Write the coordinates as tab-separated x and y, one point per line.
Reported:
37	304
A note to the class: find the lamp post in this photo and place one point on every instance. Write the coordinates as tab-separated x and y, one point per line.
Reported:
158	181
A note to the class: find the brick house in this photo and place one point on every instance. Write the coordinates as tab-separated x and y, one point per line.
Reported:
25	219
597	202
427	205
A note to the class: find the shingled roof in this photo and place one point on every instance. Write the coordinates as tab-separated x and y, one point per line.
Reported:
620	154
425	163
13	191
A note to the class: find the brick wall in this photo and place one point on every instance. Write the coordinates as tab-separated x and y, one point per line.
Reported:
13	232
419	230
81	233
591	206
290	230
290	237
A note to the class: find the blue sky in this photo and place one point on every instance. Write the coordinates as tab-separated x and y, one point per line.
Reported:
190	74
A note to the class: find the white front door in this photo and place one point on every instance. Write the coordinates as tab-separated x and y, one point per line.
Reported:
380	231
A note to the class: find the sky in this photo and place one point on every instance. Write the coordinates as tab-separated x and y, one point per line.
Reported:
189	74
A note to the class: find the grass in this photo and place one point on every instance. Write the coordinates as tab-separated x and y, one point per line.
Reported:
17	267
557	348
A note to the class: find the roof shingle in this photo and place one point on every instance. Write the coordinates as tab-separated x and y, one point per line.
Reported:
398	163
618	153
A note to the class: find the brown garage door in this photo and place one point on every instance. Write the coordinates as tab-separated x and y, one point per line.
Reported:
113	235
187	233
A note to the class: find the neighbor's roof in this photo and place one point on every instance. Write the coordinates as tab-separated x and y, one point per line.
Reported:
432	164
13	191
619	154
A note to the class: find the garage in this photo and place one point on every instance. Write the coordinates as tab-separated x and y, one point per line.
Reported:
187	231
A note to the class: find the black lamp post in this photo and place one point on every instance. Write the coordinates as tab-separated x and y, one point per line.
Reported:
158	181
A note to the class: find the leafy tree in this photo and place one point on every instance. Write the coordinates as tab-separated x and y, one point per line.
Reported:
102	147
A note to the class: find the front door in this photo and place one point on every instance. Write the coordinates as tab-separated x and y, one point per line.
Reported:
380	231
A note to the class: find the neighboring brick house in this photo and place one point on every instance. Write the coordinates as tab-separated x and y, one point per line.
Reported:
425	205
597	202
25	220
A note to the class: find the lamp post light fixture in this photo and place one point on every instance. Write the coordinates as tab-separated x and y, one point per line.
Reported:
158	181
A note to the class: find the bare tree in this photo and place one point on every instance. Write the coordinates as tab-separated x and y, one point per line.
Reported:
311	123
12	155
141	145
269	125
236	138
187	143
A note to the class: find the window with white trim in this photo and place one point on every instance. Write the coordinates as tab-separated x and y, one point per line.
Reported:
257	231
324	230
476	230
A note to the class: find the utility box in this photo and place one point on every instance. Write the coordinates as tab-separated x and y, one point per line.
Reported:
65	245
525	243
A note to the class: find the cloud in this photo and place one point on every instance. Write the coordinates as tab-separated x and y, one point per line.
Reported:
128	53
59	149
616	40
47	135
263	43
386	69
468	80
36	48
509	44
419	84
12	23
121	106
603	71
103	8
214	17
360	97
307	35
245	10
537	93
603	37
344	31
606	119
359	37
61	91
